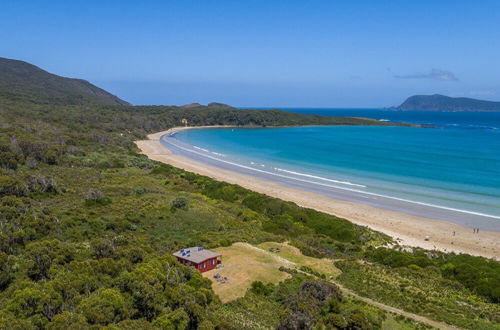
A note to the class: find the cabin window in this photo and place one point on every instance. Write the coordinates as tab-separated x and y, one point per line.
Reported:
203	266
212	262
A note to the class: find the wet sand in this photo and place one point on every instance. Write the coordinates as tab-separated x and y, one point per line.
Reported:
406	228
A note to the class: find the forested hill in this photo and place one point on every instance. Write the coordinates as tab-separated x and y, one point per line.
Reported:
445	103
25	82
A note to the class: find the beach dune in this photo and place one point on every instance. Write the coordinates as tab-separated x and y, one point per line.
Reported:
407	229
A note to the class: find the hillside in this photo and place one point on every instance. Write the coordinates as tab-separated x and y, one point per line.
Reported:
25	82
445	103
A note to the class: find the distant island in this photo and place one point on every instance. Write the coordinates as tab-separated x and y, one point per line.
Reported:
212	105
439	102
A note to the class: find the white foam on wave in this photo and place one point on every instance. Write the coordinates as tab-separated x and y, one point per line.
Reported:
320	178
200	149
208	151
257	164
339	187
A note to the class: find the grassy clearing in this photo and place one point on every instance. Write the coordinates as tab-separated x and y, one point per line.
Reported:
244	263
321	265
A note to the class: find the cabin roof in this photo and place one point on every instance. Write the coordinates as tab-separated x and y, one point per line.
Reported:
195	254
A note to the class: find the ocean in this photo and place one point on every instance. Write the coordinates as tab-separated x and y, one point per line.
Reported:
449	172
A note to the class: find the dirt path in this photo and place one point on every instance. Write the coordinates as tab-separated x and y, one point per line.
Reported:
395	310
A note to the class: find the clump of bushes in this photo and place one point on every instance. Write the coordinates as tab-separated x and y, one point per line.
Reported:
180	203
42	184
260	288
309	270
96	196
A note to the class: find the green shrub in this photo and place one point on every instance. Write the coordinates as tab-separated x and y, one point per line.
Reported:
260	288
180	203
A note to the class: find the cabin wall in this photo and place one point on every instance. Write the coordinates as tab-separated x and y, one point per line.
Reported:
207	265
204	266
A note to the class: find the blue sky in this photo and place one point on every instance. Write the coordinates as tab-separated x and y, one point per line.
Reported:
263	53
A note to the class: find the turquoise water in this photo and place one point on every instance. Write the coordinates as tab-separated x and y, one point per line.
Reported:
452	166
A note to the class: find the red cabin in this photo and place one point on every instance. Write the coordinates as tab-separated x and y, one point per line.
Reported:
198	257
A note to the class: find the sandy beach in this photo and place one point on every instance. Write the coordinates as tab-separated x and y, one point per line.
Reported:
407	229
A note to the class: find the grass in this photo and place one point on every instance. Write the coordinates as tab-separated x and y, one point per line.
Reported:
323	266
244	263
393	322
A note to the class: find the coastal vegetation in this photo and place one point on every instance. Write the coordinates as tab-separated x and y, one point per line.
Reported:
88	225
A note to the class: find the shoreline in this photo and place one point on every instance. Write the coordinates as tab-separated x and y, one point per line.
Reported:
405	228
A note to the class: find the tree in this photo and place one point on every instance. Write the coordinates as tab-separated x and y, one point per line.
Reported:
68	320
35	300
175	320
131	325
11	322
41	255
103	248
6	274
105	306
